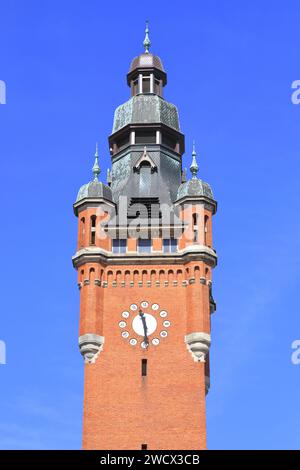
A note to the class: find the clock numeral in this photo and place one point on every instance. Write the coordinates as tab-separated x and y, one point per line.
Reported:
155	307
155	341
163	334
125	334
122	324
125	314
133	342
133	307
166	323
163	314
144	304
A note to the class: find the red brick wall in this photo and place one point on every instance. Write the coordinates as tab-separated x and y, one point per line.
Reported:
166	409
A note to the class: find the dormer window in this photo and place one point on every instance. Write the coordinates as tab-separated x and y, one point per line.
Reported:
146	88
146	83
145	137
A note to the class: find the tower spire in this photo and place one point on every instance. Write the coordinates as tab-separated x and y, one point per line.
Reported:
194	165
96	168
147	42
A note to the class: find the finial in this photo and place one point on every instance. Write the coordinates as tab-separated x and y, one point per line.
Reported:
147	42
96	168
194	166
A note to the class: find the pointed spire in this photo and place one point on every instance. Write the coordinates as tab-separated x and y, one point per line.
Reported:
194	166
147	42
96	168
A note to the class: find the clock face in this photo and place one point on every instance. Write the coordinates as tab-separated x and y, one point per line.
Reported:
144	324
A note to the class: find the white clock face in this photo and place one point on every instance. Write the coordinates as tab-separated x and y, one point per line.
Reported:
144	324
151	323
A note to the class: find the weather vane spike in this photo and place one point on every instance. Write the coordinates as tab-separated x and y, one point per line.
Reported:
194	166
147	42
96	168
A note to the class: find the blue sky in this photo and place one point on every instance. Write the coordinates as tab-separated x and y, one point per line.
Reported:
230	68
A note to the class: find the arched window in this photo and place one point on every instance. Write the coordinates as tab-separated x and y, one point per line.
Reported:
144	276
93	230
162	276
92	274
197	272
146	84
110	277
195	227
206	219
179	275
119	277
127	277
82	231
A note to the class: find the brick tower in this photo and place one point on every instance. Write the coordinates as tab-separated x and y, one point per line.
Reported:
144	261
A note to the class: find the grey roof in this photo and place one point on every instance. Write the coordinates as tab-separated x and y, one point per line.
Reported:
146	60
161	182
194	187
94	189
146	109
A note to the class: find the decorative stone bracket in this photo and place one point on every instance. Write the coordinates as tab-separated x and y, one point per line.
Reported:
90	346
198	344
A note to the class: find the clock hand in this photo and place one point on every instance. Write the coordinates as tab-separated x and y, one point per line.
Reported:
143	318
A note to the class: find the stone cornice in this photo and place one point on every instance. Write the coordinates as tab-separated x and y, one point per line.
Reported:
190	253
210	204
91	202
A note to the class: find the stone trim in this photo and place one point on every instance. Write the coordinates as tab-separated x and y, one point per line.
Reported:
90	346
209	204
198	344
123	284
190	253
95	202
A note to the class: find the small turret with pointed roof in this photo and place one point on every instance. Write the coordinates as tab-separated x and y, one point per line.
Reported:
195	187
147	63
95	189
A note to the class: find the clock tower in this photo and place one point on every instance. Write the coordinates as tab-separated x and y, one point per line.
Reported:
144	260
